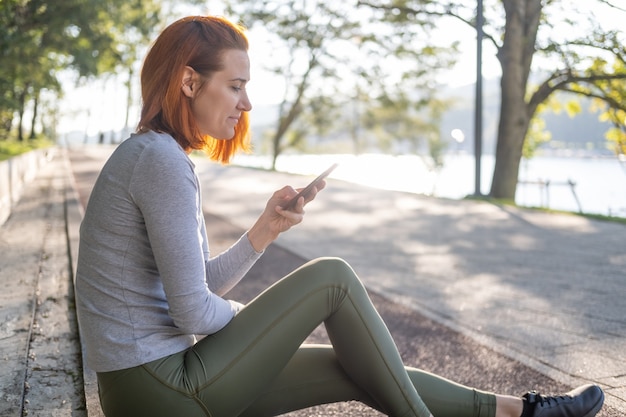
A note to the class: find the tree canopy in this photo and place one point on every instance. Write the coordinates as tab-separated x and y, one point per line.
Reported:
38	39
542	47
341	66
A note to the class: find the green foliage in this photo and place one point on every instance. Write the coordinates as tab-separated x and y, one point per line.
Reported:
11	148
508	202
39	39
396	119
536	136
612	108
617	135
341	64
436	151
603	79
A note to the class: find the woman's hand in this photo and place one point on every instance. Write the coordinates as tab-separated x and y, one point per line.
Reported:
275	219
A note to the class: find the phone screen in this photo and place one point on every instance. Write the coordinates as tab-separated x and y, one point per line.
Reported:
306	190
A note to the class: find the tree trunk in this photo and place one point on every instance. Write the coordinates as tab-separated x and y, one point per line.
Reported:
129	100
20	118
511	133
275	149
515	56
34	119
287	118
285	121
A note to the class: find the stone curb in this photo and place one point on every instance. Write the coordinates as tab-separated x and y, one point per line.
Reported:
74	214
41	360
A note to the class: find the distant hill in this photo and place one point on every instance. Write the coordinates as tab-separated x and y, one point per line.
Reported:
583	132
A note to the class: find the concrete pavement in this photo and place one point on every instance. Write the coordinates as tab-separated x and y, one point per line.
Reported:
40	355
546	290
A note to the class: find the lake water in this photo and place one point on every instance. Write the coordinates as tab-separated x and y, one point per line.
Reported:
600	183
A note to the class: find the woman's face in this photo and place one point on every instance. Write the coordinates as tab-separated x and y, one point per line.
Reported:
218	106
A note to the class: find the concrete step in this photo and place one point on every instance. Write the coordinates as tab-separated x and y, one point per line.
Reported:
39	346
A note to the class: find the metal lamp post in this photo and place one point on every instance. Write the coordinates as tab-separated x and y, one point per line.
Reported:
478	106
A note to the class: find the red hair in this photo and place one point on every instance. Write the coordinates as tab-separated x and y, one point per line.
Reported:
197	42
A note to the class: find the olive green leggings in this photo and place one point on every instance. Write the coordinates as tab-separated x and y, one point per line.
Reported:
257	366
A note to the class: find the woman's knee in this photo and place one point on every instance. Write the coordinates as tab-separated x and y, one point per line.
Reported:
331	265
335	270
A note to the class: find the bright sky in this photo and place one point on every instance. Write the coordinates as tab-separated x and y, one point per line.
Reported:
100	106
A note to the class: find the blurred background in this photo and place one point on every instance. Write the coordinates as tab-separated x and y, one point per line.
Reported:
401	93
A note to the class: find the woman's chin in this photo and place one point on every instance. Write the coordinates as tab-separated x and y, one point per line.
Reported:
222	137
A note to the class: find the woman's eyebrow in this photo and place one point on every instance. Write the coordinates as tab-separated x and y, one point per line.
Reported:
242	80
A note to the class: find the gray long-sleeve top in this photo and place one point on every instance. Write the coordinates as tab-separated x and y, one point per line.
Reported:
145	283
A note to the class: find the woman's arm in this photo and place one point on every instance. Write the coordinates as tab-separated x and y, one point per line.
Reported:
224	271
165	189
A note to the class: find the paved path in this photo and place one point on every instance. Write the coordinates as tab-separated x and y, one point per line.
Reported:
40	357
548	290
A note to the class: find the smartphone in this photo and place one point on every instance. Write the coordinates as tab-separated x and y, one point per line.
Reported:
306	190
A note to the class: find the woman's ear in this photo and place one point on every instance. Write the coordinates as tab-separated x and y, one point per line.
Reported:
187	82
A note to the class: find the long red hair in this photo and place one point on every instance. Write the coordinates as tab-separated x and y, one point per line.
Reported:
197	42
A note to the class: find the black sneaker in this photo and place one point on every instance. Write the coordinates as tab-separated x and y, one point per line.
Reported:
583	401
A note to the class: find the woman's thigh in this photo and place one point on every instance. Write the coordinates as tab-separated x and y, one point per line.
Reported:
225	372
230	369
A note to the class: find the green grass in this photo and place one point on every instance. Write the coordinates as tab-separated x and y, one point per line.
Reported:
10	148
613	219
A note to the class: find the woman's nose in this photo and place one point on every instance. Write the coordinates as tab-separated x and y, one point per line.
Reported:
245	104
